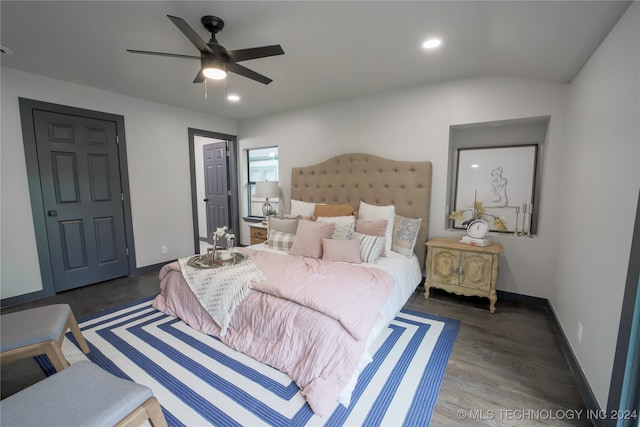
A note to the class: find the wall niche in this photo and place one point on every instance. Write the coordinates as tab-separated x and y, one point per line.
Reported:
499	164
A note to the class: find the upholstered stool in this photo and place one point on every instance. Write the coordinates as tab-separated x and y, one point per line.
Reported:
82	395
37	331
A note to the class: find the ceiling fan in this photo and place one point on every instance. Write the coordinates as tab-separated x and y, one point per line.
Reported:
215	60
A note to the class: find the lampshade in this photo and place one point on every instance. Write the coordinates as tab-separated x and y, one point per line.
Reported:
267	189
213	68
214	73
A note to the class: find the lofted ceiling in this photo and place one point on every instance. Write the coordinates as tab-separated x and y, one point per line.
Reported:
333	49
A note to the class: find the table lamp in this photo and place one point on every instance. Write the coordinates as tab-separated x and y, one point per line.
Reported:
266	190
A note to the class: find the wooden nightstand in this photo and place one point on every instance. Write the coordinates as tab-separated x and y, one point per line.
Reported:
463	269
258	233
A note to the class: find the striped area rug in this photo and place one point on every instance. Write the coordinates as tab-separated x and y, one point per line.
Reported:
200	382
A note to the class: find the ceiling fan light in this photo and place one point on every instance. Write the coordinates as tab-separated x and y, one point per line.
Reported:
214	73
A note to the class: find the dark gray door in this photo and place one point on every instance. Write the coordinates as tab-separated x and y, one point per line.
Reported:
216	186
82	197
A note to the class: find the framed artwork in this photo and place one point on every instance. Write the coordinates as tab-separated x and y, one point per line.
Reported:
502	179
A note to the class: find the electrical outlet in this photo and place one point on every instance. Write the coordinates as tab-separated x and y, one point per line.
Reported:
579	332
164	249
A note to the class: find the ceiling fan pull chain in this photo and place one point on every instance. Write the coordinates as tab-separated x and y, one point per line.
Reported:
205	89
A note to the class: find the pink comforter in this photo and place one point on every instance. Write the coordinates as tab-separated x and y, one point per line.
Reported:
309	318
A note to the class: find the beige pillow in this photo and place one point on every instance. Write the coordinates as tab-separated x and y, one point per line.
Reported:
283	225
341	250
333	210
308	240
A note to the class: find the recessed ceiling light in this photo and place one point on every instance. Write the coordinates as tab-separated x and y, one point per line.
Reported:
432	43
233	97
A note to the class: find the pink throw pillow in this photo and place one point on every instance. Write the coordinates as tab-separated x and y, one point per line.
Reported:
341	250
308	240
373	228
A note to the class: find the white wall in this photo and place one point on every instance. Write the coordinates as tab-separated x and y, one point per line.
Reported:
159	180
413	124
601	179
591	175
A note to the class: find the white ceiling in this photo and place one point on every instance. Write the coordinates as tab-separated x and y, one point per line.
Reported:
333	49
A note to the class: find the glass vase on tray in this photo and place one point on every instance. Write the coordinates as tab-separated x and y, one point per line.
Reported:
218	254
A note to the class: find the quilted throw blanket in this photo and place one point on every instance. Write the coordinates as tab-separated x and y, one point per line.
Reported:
221	290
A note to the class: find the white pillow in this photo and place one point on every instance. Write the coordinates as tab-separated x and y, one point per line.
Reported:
344	226
304	209
376	213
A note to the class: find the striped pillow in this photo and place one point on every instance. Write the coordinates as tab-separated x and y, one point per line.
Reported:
279	240
370	247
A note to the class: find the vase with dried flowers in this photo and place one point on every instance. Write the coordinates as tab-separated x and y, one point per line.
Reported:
478	211
221	233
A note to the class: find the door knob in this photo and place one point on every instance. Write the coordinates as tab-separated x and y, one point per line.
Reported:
206	200
52	213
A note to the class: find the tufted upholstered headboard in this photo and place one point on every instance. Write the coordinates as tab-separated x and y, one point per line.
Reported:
349	178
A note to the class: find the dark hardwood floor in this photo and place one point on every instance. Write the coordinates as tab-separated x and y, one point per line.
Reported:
506	369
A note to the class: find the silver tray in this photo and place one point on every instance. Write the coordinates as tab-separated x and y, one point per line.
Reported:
204	261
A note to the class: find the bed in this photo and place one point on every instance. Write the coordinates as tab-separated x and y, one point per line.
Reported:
311	317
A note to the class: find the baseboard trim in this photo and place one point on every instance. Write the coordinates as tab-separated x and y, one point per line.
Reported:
20	299
590	401
150	268
525	299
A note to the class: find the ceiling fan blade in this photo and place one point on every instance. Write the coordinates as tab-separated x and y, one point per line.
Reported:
255	52
244	71
191	34
175	55
199	77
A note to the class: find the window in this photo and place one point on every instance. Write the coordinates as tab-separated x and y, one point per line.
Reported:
262	166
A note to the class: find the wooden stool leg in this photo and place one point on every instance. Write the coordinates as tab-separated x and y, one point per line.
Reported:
54	352
149	410
77	333
153	408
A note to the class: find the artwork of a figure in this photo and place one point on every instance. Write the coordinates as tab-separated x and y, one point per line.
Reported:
498	197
